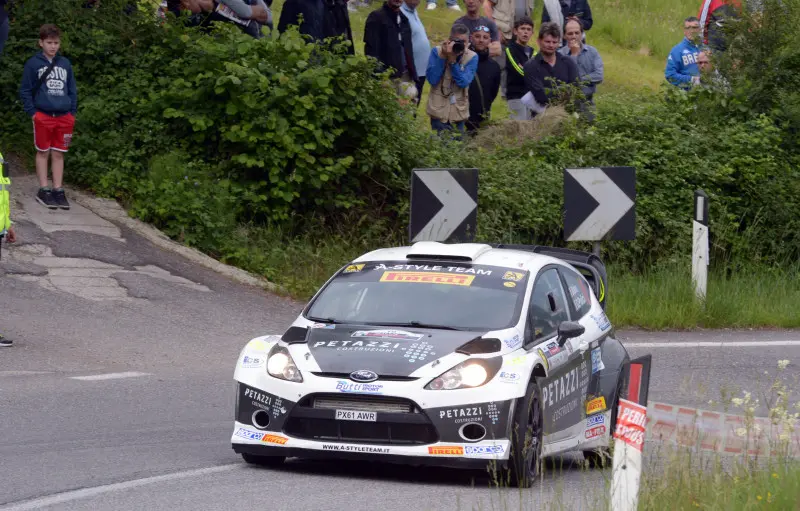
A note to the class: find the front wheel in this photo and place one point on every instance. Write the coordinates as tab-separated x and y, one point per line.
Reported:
526	438
263	461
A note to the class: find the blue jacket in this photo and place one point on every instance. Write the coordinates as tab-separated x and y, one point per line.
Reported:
462	75
682	64
58	94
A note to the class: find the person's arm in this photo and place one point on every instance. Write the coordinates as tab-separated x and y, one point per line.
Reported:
597	74
673	70
72	90
26	90
435	68
494	88
239	7
586	16
464	77
488	9
535	85
494	47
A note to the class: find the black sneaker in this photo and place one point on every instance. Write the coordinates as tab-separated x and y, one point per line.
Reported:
60	199
5	343
45	198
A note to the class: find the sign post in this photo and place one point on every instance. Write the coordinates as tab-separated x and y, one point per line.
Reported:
599	203
444	205
700	245
629	436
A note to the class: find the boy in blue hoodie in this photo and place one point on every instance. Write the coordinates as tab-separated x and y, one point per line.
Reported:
682	67
52	102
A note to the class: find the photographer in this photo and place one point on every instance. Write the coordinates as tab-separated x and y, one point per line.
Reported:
451	69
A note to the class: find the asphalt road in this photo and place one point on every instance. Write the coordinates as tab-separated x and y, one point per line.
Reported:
157	434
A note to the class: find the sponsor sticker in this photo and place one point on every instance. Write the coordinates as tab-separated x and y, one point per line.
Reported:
479	450
510	284
427	278
602	321
514	342
249	362
258	397
354	268
513	276
597	361
435	268
516	361
362	388
249	434
355	448
595	432
275	439
510	377
597	404
595	420
401	335
330	326
447	450
553	348
631	423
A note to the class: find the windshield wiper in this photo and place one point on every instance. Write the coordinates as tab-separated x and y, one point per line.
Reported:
418	324
324	320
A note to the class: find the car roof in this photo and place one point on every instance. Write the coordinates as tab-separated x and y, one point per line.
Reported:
470	253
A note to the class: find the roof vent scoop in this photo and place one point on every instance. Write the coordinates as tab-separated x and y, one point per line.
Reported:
432	250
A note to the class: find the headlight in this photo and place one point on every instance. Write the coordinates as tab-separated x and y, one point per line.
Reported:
468	374
280	365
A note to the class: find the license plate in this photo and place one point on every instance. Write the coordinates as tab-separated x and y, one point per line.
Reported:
354	415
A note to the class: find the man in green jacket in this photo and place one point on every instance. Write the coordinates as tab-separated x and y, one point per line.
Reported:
6	229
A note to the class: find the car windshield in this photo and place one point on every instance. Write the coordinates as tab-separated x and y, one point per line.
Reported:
388	293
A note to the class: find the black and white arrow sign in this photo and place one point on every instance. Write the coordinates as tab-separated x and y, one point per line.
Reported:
444	205
600	203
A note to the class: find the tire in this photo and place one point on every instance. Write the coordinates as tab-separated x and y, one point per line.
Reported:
525	459
263	461
604	456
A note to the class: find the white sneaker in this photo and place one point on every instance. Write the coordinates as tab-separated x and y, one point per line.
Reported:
455	7
431	6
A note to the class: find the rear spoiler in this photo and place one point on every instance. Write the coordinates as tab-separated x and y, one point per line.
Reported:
590	265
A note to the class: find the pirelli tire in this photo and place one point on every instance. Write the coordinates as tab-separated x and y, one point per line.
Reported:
263	461
604	456
525	458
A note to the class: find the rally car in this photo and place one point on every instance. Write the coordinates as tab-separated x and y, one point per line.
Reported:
462	355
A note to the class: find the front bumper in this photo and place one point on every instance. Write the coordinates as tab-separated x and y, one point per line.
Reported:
475	455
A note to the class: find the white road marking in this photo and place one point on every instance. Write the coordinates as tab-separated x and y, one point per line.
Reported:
109	376
706	344
83	493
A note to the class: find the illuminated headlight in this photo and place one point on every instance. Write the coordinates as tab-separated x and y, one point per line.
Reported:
468	374
280	365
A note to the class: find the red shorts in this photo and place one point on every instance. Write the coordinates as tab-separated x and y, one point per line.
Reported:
52	132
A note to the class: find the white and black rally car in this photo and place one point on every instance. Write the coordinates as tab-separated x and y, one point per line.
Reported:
440	354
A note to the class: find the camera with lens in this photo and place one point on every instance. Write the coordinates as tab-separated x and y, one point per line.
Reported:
458	46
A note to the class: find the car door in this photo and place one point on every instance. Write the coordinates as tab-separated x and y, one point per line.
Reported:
563	394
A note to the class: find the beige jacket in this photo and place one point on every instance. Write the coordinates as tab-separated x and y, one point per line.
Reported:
441	104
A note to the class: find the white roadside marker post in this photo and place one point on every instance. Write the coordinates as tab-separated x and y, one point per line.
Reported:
629	436
700	245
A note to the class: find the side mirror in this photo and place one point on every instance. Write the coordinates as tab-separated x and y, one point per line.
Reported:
569	330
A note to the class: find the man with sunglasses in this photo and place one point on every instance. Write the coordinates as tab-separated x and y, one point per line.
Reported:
486	84
473	19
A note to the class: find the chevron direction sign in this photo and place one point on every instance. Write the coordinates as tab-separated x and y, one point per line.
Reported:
600	204
444	205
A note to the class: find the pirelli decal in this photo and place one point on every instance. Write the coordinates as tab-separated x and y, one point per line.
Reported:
428	278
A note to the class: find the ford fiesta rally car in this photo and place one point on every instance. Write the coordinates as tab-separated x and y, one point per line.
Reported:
440	354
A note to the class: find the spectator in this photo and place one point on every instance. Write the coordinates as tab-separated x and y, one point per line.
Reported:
505	14
549	70
451	68
50	97
484	87
710	77
451	4
681	69
387	38
321	19
713	16
6	228
473	19
558	11
419	42
590	64
518	53
4	26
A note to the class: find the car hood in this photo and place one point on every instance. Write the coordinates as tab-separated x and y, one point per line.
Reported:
389	351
